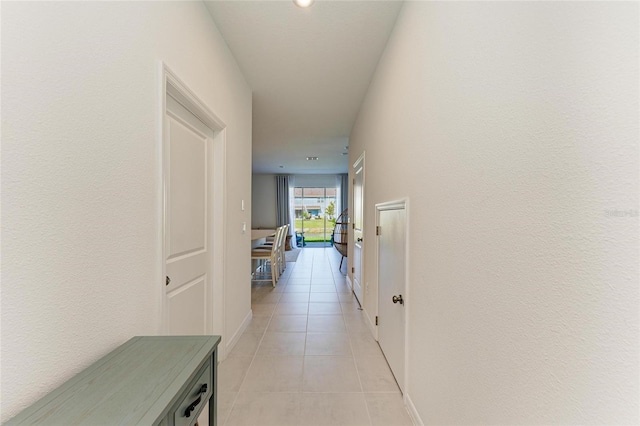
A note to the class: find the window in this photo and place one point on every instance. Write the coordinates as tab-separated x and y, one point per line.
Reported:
315	214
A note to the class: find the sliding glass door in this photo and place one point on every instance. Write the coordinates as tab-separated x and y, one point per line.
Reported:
315	210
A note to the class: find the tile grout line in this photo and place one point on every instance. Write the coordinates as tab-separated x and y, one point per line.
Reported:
246	374
353	354
304	355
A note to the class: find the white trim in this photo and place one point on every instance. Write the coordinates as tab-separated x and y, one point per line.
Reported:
164	131
236	336
363	284
360	158
349	283
219	235
188	99
392	205
400	204
173	86
373	328
407	289
411	409
161	199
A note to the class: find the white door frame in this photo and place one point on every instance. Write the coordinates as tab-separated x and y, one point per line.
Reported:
216	199
360	160
402	203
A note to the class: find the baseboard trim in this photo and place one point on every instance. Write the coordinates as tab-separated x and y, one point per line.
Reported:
413	413
236	336
372	326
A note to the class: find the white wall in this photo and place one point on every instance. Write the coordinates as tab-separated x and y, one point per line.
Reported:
513	129
315	181
263	201
80	177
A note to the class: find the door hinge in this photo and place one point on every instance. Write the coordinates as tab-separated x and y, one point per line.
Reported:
376	320
353	226
353	270
377	230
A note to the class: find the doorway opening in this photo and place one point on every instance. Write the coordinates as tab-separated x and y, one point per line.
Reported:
315	216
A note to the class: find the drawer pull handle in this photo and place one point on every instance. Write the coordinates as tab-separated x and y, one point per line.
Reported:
194	404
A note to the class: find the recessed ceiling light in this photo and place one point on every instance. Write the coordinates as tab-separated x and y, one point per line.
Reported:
312	158
303	3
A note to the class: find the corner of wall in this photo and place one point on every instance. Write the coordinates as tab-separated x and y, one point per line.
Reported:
231	343
413	412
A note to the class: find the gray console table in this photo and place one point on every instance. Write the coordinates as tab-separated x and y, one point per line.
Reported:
154	380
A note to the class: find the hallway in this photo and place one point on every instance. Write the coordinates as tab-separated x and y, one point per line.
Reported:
308	357
510	128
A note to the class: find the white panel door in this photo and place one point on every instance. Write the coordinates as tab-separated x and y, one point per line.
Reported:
358	227
187	286
391	285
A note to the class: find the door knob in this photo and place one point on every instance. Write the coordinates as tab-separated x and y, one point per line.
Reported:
168	280
397	299
359	240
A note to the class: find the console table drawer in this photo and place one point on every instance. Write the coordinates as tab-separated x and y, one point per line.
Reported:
196	398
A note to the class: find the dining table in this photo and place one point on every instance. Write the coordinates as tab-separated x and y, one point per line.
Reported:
258	236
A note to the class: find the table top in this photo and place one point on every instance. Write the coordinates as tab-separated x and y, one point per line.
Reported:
256	234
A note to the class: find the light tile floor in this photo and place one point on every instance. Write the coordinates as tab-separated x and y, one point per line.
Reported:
308	357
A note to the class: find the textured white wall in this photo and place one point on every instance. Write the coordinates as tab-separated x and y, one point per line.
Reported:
315	181
513	129
263	201
80	177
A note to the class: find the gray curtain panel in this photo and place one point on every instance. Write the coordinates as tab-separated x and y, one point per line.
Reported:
344	192
282	200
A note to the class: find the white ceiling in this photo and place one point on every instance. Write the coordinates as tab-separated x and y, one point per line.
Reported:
309	70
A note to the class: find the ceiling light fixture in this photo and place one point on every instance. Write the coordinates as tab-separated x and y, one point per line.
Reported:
312	158
303	3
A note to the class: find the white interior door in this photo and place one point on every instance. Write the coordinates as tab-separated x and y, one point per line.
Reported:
188	284
391	287
358	227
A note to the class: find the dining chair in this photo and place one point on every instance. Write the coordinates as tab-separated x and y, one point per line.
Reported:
281	244
270	254
270	241
282	261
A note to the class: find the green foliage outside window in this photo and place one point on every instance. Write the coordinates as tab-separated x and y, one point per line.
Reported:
330	211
